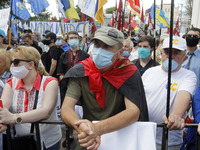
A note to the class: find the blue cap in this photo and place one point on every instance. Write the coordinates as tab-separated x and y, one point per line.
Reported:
2	33
136	38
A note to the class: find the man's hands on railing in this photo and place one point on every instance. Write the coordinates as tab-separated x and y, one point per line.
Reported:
174	122
88	138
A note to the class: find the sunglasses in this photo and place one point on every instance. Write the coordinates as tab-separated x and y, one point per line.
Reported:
192	35
16	61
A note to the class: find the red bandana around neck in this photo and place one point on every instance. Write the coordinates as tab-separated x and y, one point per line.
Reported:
120	71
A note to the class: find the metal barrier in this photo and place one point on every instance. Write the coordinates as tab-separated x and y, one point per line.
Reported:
197	145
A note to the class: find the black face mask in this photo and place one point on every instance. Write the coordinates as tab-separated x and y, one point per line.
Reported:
46	42
192	41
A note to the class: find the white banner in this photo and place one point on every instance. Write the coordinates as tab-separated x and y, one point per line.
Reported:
4	17
58	28
137	136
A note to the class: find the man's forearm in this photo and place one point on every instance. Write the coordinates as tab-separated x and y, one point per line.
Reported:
52	69
181	103
69	116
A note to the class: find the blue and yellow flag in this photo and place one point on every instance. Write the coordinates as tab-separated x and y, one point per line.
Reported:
99	10
38	5
66	4
161	19
71	12
19	10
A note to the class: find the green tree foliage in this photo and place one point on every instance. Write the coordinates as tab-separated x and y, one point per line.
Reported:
4	3
110	10
188	7
78	10
43	16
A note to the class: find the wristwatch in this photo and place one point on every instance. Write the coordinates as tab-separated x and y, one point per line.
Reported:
18	119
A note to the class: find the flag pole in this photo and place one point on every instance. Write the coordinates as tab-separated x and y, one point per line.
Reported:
9	36
161	9
123	19
165	129
154	53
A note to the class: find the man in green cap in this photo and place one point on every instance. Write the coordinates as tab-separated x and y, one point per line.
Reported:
109	88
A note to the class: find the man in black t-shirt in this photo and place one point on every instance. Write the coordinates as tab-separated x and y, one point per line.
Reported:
145	50
53	54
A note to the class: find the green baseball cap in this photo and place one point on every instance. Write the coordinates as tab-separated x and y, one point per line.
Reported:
109	35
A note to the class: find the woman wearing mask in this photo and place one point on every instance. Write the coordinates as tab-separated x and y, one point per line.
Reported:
19	95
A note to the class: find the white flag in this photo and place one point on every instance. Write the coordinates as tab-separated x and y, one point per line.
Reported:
87	7
4	17
61	8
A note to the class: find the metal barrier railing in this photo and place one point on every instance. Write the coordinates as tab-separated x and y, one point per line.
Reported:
197	145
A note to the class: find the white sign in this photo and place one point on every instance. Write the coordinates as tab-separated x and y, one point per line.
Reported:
58	27
4	17
137	136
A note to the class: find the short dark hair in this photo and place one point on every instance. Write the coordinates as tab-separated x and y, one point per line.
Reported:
51	35
72	32
27	31
148	39
194	29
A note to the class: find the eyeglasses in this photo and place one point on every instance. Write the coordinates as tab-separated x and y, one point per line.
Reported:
192	35
16	61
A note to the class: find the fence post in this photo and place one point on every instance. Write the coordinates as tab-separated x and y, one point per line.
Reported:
197	144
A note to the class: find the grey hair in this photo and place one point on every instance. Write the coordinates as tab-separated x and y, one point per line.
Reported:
38	35
131	43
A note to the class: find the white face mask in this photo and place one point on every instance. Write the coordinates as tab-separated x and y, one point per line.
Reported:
19	72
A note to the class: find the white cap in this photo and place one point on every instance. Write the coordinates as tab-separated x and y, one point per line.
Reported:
80	34
164	36
177	42
59	36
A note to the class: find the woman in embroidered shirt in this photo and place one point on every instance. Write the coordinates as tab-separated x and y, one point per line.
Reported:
19	95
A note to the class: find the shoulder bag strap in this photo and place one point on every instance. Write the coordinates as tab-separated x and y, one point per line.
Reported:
36	124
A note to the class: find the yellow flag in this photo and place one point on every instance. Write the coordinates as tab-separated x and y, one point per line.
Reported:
71	12
136	28
99	10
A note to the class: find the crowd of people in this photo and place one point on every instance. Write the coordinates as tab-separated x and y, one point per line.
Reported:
104	78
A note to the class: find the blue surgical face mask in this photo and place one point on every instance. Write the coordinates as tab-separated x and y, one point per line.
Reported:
58	42
125	53
166	64
101	57
144	53
73	43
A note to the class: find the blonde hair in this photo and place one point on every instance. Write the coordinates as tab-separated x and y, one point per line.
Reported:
30	53
8	58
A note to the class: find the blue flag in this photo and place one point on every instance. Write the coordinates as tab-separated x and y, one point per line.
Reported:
20	10
66	4
13	27
13	30
38	5
161	19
